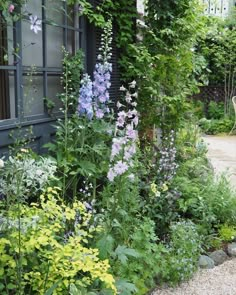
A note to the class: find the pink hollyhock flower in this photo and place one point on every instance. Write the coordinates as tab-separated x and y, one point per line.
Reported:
11	8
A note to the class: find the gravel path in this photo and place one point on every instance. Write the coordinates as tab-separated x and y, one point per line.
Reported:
221	280
222	154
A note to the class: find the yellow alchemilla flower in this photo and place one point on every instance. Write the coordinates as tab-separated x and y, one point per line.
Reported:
164	187
155	190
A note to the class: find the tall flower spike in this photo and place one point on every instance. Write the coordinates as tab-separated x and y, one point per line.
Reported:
85	106
102	73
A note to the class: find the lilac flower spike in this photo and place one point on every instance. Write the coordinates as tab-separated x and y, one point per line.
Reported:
85	97
124	142
101	85
35	24
102	73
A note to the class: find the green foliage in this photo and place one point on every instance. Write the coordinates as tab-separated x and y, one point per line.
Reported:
81	148
26	175
215	110
144	241
85	154
179	261
176	23
214	126
166	67
227	233
189	142
47	250
206	201
74	66
218	50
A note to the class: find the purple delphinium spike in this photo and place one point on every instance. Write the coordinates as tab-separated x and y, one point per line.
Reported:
101	84
85	106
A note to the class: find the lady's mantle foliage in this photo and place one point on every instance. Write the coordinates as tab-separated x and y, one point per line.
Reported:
124	141
94	96
54	246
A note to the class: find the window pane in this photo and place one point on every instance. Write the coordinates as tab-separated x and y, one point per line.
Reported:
12	95
71	42
55	11
55	87
54	46
11	50
32	52
31	41
33	95
7	95
6	42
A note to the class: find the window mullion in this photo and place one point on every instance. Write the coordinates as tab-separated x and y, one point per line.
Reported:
44	40
17	36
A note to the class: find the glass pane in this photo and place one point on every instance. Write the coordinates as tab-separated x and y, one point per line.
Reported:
11	49
6	43
33	94
12	95
54	88
54	46
71	45
73	16
7	95
32	40
55	12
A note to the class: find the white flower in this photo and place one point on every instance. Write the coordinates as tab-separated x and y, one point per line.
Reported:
122	88
132	84
1	163
35	24
131	177
119	105
128	97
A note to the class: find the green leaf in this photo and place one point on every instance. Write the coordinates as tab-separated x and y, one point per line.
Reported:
126	288
122	252
54	286
75	291
105	246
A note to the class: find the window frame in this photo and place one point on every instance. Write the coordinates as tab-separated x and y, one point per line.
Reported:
45	71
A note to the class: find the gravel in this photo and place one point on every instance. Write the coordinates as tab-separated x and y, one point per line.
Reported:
221	280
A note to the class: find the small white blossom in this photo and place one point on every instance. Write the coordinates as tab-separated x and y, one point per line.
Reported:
122	88
1	163
132	84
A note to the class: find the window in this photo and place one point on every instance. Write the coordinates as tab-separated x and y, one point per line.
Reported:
30	64
217	7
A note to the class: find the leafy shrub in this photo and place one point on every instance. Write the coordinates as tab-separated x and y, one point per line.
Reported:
215	126
46	246
189	143
179	261
144	241
215	110
205	200
227	233
26	175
